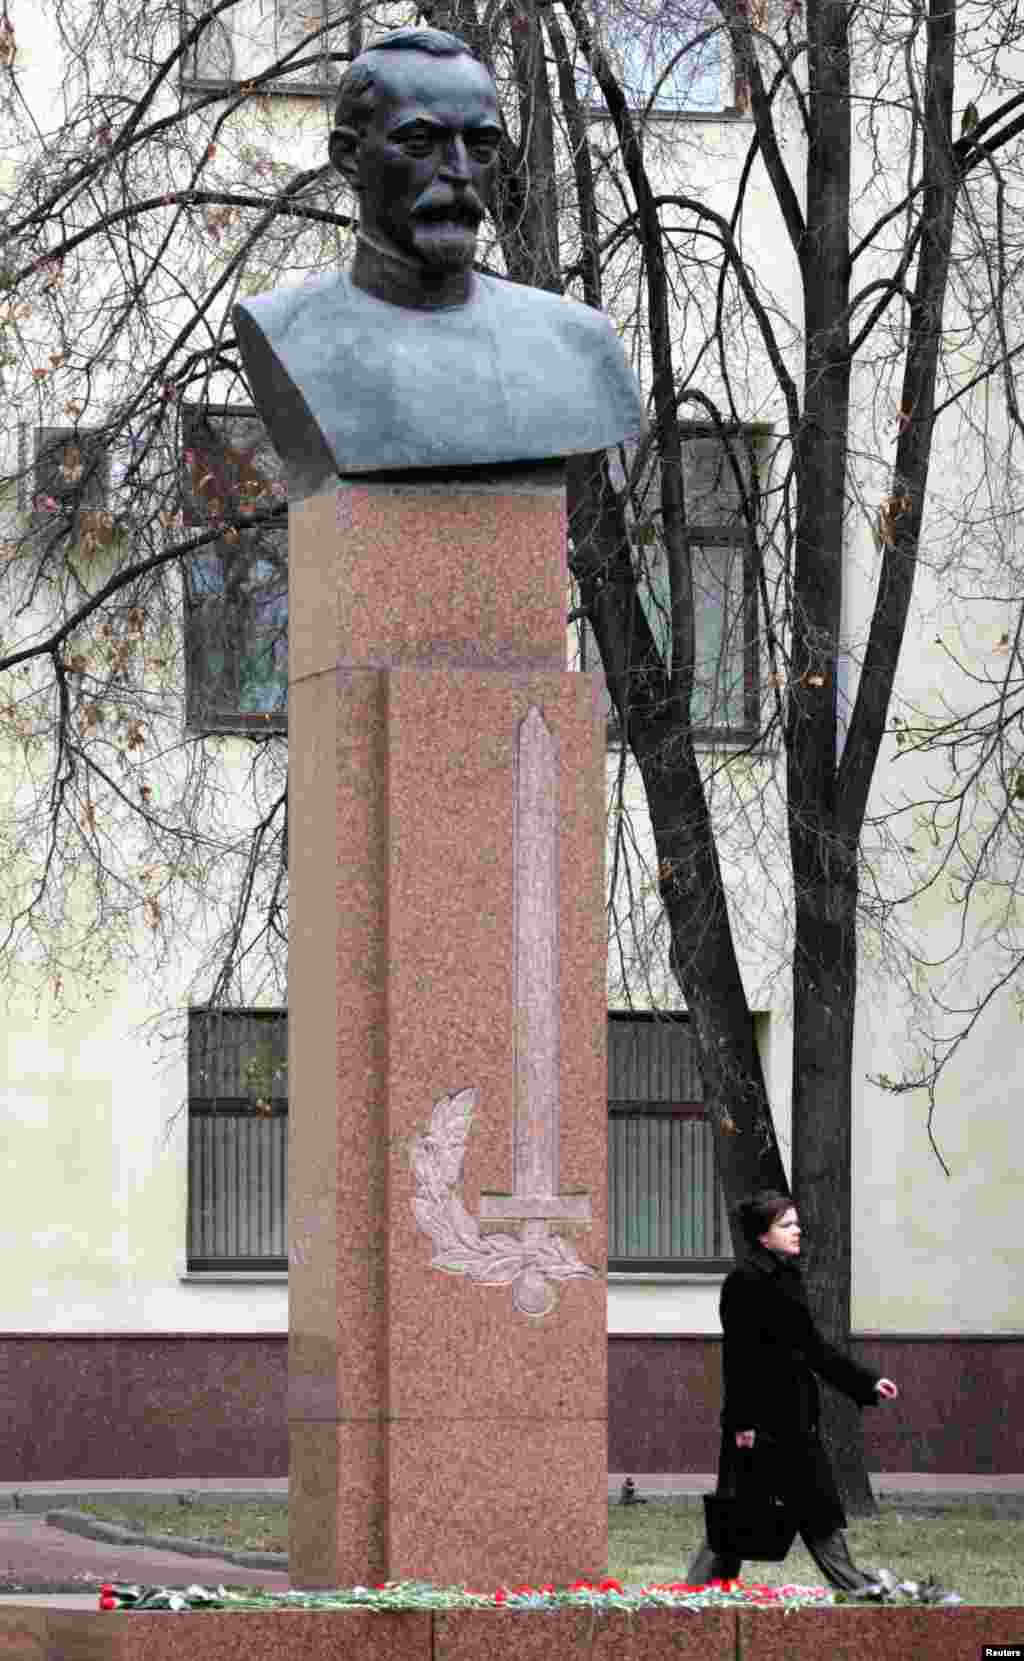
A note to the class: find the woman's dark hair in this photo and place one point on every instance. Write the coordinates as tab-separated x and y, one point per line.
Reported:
756	1214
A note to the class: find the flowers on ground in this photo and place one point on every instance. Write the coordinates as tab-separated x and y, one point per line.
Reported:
397	1595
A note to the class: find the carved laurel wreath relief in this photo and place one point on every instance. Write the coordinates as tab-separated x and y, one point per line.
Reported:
533	1264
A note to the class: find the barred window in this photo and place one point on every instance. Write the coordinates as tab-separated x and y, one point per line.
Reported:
666	1207
237	1139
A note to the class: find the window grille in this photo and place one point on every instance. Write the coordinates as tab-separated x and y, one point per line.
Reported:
666	1209
237	1139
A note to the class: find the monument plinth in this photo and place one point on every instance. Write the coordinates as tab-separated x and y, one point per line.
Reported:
447	1138
447	1134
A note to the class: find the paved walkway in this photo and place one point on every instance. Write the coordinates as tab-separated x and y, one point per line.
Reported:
882	1482
38	1558
45	1496
40	1563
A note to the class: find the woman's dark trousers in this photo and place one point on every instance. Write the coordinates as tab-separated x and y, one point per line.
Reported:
830	1552
807	1483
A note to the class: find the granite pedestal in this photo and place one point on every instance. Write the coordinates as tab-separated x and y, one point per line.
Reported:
447	1135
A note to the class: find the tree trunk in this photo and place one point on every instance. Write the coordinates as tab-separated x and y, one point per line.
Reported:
824	862
703	957
824	999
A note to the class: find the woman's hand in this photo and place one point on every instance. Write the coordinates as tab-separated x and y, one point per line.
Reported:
885	1387
745	1438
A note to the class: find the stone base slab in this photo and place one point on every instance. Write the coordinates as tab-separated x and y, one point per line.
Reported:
32	1633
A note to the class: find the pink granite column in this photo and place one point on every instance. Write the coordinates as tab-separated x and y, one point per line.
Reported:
447	1141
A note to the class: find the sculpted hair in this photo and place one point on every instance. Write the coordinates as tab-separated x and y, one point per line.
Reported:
756	1214
356	89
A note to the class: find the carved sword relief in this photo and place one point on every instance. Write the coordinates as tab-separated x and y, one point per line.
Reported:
533	1260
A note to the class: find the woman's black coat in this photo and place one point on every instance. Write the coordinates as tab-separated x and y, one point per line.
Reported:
771	1352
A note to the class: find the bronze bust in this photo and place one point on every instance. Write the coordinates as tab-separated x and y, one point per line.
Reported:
412	359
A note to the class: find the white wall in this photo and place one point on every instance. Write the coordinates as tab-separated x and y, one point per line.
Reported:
93	1157
93	1136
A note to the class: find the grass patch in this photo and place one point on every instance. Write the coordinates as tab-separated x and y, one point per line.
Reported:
241	1525
972	1546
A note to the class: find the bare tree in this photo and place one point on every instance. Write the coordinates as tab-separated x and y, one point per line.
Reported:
844	283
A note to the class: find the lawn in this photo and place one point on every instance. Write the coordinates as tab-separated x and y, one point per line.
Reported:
972	1546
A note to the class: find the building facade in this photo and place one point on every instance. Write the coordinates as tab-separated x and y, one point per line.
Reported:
143	1325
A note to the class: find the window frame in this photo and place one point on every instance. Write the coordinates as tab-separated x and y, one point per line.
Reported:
198	720
738	536
91	496
191	80
740	735
236	1107
732	104
655	1108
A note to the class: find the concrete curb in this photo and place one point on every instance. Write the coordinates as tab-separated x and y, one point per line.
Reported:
112	1534
37	1501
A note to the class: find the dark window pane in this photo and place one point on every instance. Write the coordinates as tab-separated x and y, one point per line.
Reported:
71	471
243	42
720	501
236	589
716	473
297	19
719	605
665	1202
211	57
237	1139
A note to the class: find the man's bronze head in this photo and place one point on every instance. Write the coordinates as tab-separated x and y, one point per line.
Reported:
416	134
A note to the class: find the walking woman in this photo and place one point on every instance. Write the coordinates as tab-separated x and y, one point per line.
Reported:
772	1350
